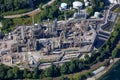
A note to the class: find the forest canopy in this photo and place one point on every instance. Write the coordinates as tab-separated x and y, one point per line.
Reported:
12	5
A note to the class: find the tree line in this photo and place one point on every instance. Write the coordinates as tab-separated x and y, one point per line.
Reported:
7	25
53	71
15	73
13	5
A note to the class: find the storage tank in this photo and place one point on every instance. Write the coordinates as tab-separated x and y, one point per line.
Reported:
113	1
87	4
85	0
97	14
63	6
77	4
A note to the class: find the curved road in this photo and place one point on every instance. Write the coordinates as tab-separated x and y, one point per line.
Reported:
31	13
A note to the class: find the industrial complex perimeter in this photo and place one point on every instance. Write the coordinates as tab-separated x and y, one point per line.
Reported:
58	41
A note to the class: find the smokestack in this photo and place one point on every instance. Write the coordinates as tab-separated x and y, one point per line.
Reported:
33	22
22	33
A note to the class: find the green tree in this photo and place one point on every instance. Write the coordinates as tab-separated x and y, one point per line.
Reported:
81	66
16	72
29	75
7	25
87	58
52	71
36	73
64	68
114	52
118	46
10	74
25	72
72	67
101	5
90	11
2	72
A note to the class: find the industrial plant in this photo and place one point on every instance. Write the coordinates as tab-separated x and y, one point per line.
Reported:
58	41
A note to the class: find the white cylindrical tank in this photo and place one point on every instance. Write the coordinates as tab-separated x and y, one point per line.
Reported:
63	6
87	4
85	0
113	1
96	14
77	4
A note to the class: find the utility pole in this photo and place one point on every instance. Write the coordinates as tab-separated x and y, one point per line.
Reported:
33	22
65	16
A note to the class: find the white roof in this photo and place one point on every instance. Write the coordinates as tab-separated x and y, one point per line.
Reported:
63	5
96	14
98	70
85	0
113	1
77	4
35	24
87	3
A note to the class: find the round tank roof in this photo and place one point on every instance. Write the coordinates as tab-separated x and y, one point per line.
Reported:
63	5
113	1
85	0
96	14
77	4
87	3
